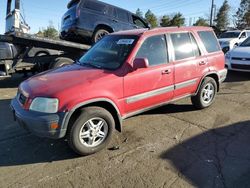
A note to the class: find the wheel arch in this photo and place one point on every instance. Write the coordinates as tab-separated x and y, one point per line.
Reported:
107	104
104	26
213	75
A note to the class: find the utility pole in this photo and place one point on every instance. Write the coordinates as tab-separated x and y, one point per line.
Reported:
211	15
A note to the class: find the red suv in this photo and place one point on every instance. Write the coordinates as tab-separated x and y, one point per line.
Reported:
122	75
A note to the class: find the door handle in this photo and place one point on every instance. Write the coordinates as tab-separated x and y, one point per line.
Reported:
202	63
167	71
114	20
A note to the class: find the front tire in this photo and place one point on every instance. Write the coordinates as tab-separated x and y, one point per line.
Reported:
206	94
92	131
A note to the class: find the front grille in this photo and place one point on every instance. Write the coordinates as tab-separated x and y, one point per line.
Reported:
22	99
240	58
239	66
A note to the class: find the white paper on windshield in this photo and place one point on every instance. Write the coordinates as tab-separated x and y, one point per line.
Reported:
125	41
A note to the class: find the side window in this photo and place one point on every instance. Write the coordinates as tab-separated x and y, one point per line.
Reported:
183	47
122	15
155	50
209	40
96	6
138	22
243	35
196	49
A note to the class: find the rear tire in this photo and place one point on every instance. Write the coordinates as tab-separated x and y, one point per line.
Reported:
98	34
206	94
92	131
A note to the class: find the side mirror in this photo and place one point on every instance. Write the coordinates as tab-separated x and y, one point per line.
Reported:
140	63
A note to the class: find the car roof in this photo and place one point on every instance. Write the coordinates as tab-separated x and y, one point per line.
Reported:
160	30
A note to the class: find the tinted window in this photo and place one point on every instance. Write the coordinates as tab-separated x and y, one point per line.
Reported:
209	40
246	43
73	3
183	47
196	49
155	50
122	15
138	22
230	35
243	35
96	6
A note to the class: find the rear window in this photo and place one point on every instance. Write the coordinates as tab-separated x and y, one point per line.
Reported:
209	40
96	6
73	3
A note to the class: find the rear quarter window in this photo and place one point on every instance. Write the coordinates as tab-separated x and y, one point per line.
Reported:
209	40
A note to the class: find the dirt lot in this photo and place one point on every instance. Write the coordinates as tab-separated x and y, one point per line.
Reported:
172	146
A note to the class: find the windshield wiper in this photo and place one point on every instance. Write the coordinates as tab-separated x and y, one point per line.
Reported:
89	64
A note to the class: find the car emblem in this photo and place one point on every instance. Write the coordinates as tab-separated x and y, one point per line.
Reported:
243	59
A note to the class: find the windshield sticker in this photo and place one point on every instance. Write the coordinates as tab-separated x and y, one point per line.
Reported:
125	41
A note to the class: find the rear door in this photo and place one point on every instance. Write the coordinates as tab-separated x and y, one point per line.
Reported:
190	63
153	85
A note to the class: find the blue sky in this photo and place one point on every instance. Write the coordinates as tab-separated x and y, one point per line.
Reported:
39	13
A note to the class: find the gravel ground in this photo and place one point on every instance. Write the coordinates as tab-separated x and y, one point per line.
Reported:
172	146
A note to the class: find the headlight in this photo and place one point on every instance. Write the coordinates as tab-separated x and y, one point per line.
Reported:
228	55
46	105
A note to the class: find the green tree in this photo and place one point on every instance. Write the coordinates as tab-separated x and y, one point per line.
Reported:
139	13
165	21
151	18
178	20
201	22
49	32
242	17
222	18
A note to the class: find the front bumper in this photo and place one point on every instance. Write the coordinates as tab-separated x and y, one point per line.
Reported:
238	66
39	123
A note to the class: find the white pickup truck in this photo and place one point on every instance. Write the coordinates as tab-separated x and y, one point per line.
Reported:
229	39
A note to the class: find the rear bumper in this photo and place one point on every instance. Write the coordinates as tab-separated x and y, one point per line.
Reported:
72	31
222	75
39	123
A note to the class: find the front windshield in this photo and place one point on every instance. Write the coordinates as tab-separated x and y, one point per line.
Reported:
229	35
246	43
110	52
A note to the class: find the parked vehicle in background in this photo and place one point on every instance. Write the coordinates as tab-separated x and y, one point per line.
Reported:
238	59
92	19
230	39
124	74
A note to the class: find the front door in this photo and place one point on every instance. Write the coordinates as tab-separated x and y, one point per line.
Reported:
147	87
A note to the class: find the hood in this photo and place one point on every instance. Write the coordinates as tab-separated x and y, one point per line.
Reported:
53	81
243	52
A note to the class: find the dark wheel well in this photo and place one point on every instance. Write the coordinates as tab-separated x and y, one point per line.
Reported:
102	26
216	78
106	105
